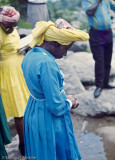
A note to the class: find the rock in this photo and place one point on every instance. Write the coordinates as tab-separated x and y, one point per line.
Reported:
88	144
85	124
73	84
83	65
107	132
24	31
82	15
79	46
103	105
12	149
76	24
10	121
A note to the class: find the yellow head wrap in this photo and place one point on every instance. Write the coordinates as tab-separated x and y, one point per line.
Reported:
48	32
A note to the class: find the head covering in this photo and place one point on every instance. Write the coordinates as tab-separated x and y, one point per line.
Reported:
8	15
61	32
61	23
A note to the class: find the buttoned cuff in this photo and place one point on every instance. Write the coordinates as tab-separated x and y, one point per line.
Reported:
70	102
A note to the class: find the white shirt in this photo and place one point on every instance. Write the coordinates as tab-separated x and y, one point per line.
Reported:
37	1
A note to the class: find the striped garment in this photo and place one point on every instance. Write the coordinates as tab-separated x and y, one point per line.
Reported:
37	1
8	14
102	18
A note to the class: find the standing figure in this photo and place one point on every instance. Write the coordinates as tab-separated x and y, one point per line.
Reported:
37	11
14	92
5	137
48	127
101	40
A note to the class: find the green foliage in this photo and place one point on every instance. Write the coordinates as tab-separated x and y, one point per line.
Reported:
4	2
84	25
20	6
63	9
70	3
60	9
23	24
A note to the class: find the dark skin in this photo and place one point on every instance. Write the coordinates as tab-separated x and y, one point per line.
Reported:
58	51
8	28
91	11
19	128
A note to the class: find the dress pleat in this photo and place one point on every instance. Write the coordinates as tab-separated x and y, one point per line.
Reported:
36	131
26	128
30	121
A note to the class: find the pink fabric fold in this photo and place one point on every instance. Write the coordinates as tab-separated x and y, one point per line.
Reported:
8	15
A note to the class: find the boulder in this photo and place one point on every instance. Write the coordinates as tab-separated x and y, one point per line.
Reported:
78	46
103	105
76	24
24	32
83	64
72	83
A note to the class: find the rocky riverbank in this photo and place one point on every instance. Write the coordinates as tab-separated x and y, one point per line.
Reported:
95	135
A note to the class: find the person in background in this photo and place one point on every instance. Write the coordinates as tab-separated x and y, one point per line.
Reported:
14	92
37	11
5	137
48	129
101	40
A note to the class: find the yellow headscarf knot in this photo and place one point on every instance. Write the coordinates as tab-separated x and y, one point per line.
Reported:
48	32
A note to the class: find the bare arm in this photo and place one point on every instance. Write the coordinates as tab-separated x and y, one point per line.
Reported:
91	11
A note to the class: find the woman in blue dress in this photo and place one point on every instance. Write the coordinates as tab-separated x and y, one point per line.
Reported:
48	126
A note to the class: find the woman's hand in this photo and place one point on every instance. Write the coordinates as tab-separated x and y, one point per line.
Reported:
74	101
100	1
24	50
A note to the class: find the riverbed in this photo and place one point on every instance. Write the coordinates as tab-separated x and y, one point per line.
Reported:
95	137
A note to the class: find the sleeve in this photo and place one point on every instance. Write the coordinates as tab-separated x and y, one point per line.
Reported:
86	4
70	102
112	5
49	80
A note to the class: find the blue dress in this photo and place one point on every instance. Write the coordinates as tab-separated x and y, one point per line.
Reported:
48	126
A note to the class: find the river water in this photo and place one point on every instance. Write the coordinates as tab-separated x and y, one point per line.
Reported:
104	127
95	136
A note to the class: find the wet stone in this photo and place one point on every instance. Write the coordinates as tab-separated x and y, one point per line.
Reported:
91	147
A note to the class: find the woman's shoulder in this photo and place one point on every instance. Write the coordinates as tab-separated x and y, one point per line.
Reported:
2	33
15	34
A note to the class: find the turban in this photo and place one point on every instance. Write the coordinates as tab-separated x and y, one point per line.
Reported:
8	15
61	32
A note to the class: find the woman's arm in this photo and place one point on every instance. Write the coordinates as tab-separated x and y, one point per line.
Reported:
91	11
89	8
56	102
